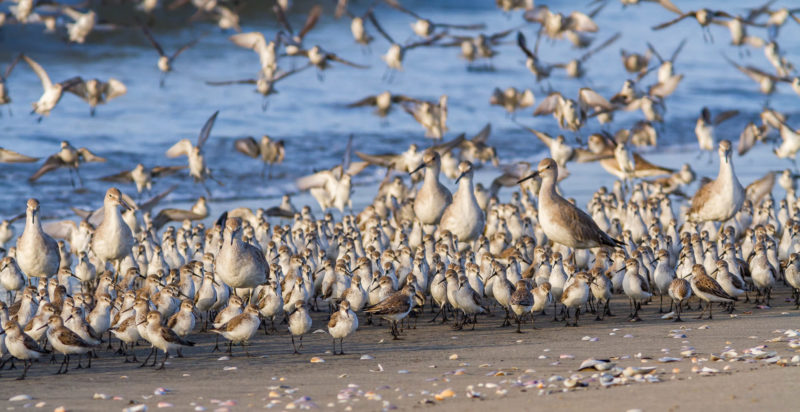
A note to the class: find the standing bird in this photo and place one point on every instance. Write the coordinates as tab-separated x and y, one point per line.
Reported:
299	323
68	157
433	197
21	346
165	61
679	290
719	199
162	338
52	92
197	163
395	307
241	328
562	221
240	264
343	323
112	239
66	342
464	217
707	289
37	253
521	302
271	151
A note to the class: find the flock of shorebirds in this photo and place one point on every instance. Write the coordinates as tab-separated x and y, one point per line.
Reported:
112	275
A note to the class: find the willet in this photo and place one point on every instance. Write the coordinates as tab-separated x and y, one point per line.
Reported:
112	239
240	264
69	157
562	221
463	218
432	198
94	91
37	253
719	199
270	151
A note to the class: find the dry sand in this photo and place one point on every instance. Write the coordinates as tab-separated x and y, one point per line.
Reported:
501	367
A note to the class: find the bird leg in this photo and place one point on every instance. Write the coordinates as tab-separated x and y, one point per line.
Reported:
79	362
64	362
678	313
27	366
636	317
294	346
148	357
163	362
216	345
341	346
230	348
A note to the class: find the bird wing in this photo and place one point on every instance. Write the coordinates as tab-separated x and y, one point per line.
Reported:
578	21
380	29
426	42
78	89
174	215
10	156
227	82
500	35
671	22
445	147
721	117
114	88
311	20
537	14
483	136
149	204
252	40
43	77
206	130
121	177
182	148
356	168
88	156
285	74
585	156
605	44
52	163
367	101
153	41
549	104
247	146
280	14
319	179
10	66
591	99
336	58
385	160
544	137
583	226
161	171
667	4
61	229
183	48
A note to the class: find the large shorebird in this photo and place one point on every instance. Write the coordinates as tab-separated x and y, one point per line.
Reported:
562	221
463	218
37	253
240	264
94	91
433	197
68	157
112	240
719	199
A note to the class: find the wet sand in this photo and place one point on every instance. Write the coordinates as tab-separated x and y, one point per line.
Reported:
499	367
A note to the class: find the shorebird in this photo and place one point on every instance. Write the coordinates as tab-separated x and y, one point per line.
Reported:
707	289
463	218
394	56
197	163
164	60
704	17
198	211
342	324
562	221
241	328
562	152
679	290
395	307
751	135
467	300
112	239
66	342
790	143
95	91
635	287
576	295
521	302
433	197
294	43
12	279
556	25
265	83
382	102
21	346
68	157
141	176
82	25
572	115
299	323
332	187
512	99
269	150
532	61
575	67
37	253
704	127
411	159
719	199
52	92
766	81
265	50
322	59
431	116
792	274
240	264
162	338
478	47
423	27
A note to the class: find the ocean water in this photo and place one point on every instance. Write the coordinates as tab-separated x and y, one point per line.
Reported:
309	111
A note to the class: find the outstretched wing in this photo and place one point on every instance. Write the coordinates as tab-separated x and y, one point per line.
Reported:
182	148
247	146
52	163
206	130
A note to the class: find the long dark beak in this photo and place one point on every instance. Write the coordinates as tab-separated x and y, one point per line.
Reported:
459	177
530	176
42	327
417	169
